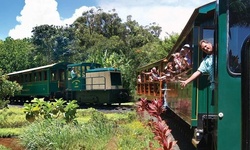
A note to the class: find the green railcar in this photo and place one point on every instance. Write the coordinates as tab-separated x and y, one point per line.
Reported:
218	117
47	82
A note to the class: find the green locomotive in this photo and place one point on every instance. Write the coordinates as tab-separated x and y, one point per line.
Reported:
87	83
218	117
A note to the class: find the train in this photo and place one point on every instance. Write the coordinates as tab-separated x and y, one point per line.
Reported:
218	117
87	83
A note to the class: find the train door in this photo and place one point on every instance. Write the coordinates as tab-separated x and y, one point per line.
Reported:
61	79
233	80
245	85
205	94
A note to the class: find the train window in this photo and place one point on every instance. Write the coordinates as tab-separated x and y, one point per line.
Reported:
34	77
239	29
26	78
208	34
53	76
44	75
115	78
83	71
61	76
39	76
87	67
30	77
22	78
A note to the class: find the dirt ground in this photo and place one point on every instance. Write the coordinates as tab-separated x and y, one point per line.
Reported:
11	143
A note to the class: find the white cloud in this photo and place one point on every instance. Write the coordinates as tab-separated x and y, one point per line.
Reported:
39	12
78	12
171	15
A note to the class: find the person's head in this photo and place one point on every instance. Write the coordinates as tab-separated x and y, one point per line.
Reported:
206	47
169	65
153	69
185	49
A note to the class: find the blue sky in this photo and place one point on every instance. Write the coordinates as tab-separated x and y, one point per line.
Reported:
18	17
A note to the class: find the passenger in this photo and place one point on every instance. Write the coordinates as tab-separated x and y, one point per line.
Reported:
168	72
186	53
180	63
177	61
207	65
72	73
154	74
139	78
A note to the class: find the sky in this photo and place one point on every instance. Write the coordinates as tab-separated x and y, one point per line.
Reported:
18	17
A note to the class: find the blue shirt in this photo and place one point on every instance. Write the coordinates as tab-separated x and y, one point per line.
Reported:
73	74
207	66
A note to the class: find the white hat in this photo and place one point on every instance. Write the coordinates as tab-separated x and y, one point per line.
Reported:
186	46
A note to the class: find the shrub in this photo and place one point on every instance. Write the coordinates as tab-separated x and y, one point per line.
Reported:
50	110
135	135
50	134
55	134
159	127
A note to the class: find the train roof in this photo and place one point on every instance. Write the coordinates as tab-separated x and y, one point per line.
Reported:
54	65
102	69
84	64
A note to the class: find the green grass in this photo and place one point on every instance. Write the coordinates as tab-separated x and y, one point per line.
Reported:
94	131
10	132
4	148
13	117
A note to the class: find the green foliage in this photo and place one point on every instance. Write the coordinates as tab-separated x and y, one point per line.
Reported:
12	117
54	134
4	148
158	126
100	132
51	135
10	132
85	112
51	110
53	42
16	55
100	122
12	121
7	89
137	136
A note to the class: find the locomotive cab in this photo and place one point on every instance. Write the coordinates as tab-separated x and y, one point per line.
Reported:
90	84
77	75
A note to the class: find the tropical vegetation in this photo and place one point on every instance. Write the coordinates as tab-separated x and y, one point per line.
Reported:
96	36
86	128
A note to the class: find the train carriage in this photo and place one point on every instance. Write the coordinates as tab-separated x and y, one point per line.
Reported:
219	116
47	81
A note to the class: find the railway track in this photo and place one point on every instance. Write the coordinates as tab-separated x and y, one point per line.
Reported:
114	108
